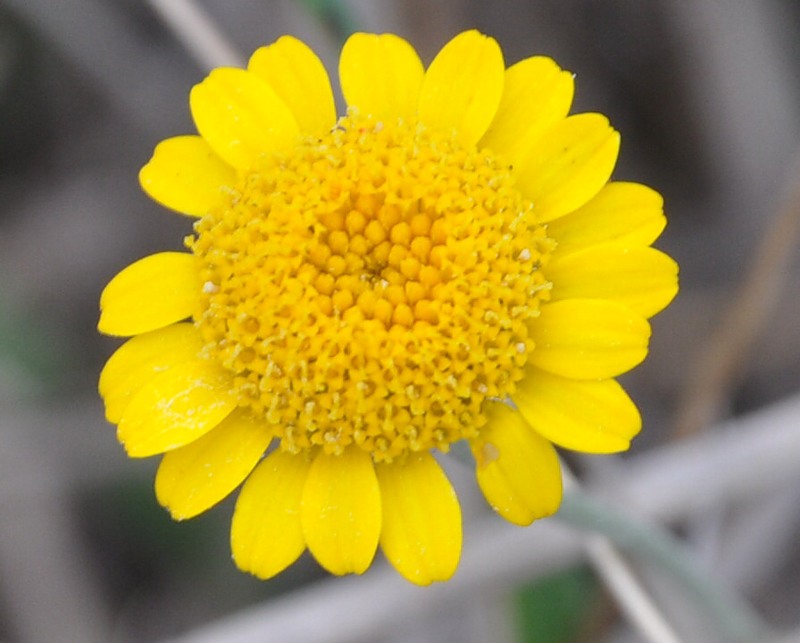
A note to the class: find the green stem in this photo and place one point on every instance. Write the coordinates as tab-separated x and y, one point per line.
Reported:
733	617
334	15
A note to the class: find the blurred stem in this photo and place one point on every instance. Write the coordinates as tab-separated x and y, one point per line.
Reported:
619	578
723	359
735	620
198	33
335	15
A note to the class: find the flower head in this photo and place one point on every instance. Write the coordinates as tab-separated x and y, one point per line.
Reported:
447	261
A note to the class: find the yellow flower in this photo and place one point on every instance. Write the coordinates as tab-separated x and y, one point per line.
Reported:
446	262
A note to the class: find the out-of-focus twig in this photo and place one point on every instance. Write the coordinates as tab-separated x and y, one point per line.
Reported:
195	30
335	15
620	580
734	619
721	363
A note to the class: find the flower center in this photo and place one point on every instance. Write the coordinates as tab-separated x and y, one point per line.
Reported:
372	287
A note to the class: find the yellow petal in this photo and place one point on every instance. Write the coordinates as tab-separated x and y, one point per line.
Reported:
537	95
643	279
266	536
151	293
462	88
187	176
299	79
241	116
142	358
568	165
595	417
517	469
628	213
421	533
195	477
341	511
381	74
175	408
588	339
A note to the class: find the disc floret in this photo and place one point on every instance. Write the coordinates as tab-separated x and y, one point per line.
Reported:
372	286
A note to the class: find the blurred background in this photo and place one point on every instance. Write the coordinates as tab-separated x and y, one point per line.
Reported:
706	94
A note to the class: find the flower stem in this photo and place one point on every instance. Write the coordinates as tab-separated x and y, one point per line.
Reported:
617	574
196	31
335	15
612	532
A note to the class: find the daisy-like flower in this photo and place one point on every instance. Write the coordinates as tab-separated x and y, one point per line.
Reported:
447	261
